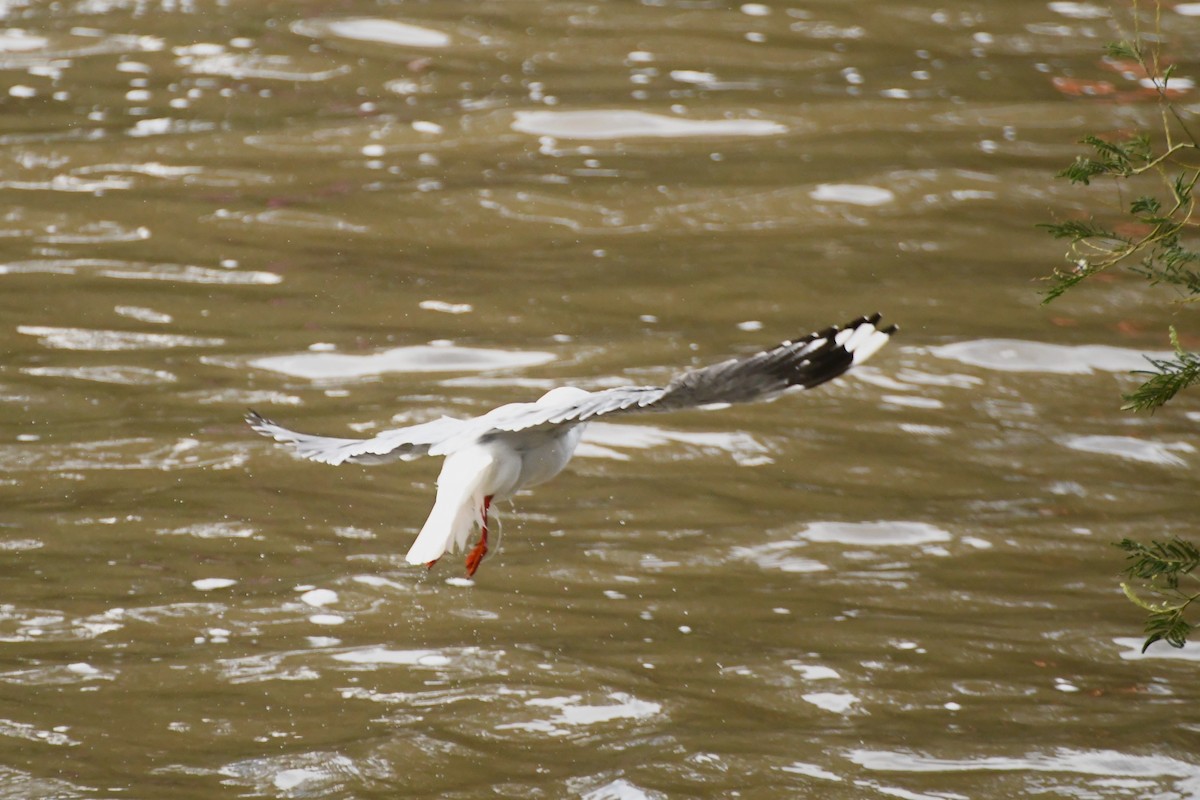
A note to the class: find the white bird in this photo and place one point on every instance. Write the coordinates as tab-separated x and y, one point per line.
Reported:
493	456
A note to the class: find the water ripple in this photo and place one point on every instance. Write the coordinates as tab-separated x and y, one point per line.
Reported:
605	440
1086	762
411	658
313	774
31	733
569	713
121	376
120	454
22	50
98	232
132	270
18	785
34	624
241	66
620	789
88	339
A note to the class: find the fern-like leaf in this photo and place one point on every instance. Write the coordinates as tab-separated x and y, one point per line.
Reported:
1123	50
1168	626
1083	170
1169	378
1160	560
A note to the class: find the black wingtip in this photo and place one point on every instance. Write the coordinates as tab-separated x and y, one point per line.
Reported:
874	320
833	330
255	419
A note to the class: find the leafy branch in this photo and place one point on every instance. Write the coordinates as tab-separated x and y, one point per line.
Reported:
1096	247
1151	241
1162	565
1169	378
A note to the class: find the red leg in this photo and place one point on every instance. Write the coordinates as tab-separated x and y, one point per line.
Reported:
480	550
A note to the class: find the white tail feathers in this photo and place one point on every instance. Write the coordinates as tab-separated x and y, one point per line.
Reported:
462	486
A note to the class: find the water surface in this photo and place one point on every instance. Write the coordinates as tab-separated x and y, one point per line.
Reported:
356	215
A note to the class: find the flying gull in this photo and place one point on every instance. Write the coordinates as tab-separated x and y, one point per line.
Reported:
493	456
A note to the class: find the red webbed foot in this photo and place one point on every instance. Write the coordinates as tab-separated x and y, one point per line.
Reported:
480	550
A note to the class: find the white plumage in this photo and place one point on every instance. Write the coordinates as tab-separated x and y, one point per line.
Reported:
493	456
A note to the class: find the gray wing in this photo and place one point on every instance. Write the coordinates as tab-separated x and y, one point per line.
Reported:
803	363
819	357
400	443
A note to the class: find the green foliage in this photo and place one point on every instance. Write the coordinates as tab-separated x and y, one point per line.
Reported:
1168	378
1130	50
1119	159
1161	566
1146	208
1161	250
1156	243
1165	561
1169	262
1078	230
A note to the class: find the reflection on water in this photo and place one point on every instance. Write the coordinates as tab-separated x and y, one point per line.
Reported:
622	124
875	533
131	376
607	440
380	655
1133	449
853	194
386	213
419	358
1016	356
384	31
787	555
568	714
836	702
1133	650
1087	762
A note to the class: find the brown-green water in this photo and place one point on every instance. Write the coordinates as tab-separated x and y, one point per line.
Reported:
901	585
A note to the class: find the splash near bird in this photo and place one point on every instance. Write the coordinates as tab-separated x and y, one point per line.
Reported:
493	456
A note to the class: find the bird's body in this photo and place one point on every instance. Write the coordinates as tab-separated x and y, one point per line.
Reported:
493	456
494	468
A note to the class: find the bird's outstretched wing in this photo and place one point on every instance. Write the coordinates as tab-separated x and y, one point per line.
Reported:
400	443
803	363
